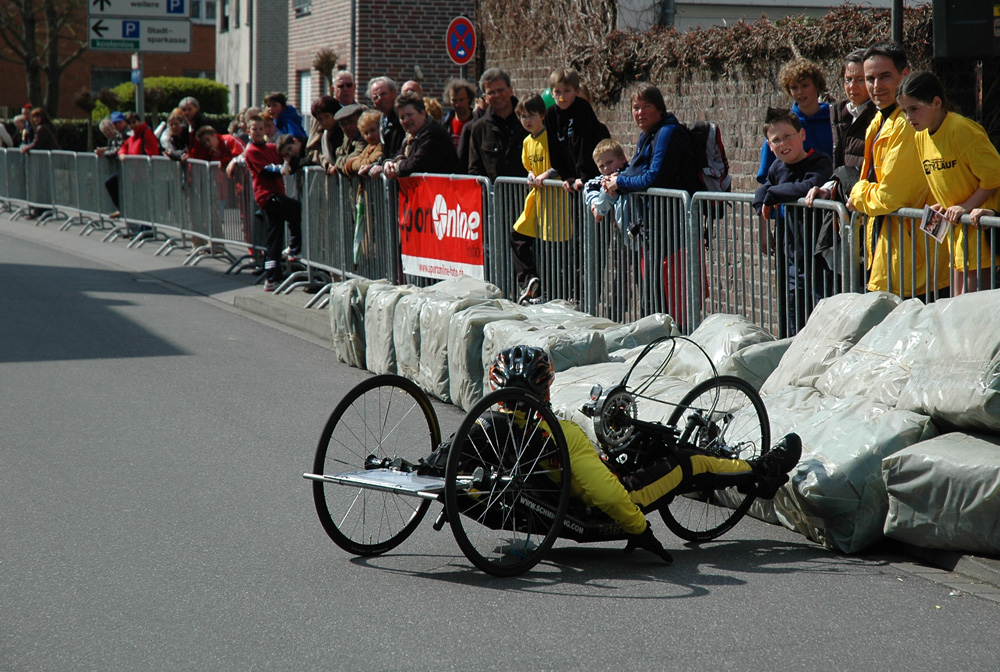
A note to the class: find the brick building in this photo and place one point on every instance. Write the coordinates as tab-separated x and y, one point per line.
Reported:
104	69
252	49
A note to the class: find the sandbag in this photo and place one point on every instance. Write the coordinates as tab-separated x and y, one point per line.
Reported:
945	493
834	327
347	319
380	309
465	348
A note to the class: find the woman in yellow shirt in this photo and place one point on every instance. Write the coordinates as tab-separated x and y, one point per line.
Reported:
962	168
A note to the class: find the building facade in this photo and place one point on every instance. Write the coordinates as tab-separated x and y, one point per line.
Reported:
251	56
96	70
404	40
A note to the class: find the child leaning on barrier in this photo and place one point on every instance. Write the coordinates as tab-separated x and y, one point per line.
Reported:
790	178
963	172
574	129
609	157
537	161
265	163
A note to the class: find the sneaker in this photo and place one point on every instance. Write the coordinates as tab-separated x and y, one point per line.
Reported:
773	466
530	291
270	285
289	255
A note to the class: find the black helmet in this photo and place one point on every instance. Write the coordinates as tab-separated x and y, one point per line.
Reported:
525	367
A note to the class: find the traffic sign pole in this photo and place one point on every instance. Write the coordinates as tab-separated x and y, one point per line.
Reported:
140	89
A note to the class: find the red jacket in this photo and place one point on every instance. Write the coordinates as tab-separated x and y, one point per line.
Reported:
264	164
229	148
142	141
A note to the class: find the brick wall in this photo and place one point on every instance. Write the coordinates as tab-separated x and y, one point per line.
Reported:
394	36
326	26
735	101
391	38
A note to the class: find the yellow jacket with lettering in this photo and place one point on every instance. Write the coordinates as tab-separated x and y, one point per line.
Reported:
900	183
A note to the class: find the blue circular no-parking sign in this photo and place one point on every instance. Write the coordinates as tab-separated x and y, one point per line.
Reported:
461	40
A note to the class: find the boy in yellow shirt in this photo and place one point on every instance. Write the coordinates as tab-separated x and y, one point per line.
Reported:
538	162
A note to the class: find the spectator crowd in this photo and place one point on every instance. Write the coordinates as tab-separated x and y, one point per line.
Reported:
892	141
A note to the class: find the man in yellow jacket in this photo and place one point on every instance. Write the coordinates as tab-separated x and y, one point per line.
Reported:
892	178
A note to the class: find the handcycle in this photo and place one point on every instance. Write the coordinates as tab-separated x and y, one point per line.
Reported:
506	484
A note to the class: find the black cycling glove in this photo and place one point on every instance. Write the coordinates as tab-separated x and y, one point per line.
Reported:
647	541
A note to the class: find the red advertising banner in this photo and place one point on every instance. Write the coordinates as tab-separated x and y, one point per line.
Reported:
441	227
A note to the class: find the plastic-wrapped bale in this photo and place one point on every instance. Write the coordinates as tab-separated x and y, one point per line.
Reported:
956	377
945	493
571	390
720	336
836	495
567	344
436	317
347	319
380	309
879	366
834	327
407	333
755	363
642	331
465	348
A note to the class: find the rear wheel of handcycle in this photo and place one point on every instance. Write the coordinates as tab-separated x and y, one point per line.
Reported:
507	483
730	422
390	418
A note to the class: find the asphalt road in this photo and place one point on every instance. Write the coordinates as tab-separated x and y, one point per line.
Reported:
154	517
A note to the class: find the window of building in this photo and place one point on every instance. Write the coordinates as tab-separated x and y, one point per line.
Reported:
305	91
203	11
236	98
108	78
224	17
236	14
302	7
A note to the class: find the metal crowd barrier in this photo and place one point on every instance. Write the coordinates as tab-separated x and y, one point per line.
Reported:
684	255
17	182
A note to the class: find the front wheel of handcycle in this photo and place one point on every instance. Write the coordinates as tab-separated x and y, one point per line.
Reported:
723	417
384	422
507	483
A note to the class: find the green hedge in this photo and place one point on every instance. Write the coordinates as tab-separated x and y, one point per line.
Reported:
211	95
72	133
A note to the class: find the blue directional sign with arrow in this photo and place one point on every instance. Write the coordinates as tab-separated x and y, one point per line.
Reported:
130	9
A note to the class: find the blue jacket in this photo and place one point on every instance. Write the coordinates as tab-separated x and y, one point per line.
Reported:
290	122
819	136
663	159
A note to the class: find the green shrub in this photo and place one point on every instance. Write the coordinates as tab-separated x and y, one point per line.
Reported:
211	95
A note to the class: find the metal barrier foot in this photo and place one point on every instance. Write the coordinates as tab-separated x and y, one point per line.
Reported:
292	280
322	297
141	239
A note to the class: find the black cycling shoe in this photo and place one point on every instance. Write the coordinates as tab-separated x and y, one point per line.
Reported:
772	467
